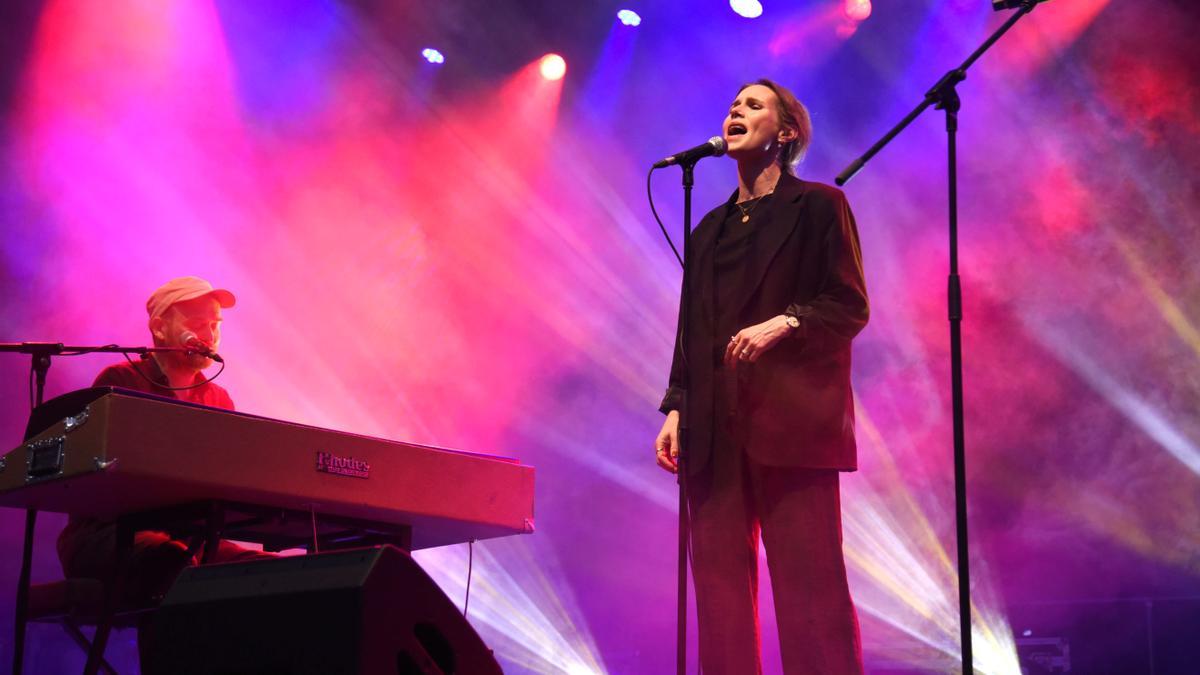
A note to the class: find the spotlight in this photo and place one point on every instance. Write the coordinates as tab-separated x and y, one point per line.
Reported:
751	9
629	17
432	55
553	67
857	10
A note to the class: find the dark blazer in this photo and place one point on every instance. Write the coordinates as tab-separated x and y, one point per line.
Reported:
794	404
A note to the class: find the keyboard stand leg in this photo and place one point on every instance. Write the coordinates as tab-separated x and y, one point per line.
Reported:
113	592
72	629
22	616
213	525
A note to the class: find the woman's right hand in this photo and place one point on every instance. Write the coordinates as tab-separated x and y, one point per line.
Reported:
666	446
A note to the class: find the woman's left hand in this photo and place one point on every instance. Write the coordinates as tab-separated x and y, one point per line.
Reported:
753	341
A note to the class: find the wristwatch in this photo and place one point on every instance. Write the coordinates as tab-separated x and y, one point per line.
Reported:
792	321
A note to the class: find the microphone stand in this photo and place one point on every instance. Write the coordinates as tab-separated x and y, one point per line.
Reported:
684	524
943	96
40	352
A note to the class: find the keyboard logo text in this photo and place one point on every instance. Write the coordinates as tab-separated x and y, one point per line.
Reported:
328	462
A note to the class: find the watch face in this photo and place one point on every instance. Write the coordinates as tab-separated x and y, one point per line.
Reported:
793	322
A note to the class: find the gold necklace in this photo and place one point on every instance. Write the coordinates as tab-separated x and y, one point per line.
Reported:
746	211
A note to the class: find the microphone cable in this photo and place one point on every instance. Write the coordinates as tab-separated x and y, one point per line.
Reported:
667	236
470	570
169	388
650	197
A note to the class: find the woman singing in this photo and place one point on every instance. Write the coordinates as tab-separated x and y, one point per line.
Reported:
777	295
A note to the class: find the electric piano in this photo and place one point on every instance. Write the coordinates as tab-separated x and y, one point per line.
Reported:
112	453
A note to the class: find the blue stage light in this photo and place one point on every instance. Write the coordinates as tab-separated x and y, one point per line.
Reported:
629	17
432	55
751	9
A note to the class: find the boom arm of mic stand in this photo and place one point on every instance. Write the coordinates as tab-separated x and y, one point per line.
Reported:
854	167
936	94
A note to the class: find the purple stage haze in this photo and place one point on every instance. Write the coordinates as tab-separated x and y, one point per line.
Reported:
462	255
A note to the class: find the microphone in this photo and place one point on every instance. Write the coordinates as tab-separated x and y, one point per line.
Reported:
195	344
715	147
1001	5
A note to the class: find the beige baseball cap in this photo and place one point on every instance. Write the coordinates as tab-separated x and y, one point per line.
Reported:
182	289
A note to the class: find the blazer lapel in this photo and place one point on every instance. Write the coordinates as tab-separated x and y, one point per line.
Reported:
777	222
701	249
705	234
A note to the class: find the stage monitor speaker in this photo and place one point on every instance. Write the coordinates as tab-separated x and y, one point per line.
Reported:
362	612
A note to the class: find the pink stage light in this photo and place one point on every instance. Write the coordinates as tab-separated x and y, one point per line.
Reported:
553	67
858	10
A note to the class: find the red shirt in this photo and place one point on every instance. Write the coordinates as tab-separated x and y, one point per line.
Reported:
149	378
85	545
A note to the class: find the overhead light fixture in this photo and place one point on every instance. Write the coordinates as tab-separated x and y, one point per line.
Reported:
858	10
553	67
751	9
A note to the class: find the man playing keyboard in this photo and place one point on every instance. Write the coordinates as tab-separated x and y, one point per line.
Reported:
183	312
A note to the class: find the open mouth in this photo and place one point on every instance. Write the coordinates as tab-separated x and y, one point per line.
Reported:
735	129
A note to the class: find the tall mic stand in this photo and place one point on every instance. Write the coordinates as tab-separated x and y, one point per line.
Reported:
684	524
943	96
41	353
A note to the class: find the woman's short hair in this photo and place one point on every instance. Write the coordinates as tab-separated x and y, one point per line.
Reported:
794	115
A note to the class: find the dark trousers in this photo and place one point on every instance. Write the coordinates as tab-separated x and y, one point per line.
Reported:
798	512
87	548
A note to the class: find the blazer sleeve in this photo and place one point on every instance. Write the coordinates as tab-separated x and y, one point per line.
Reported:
673	399
840	309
